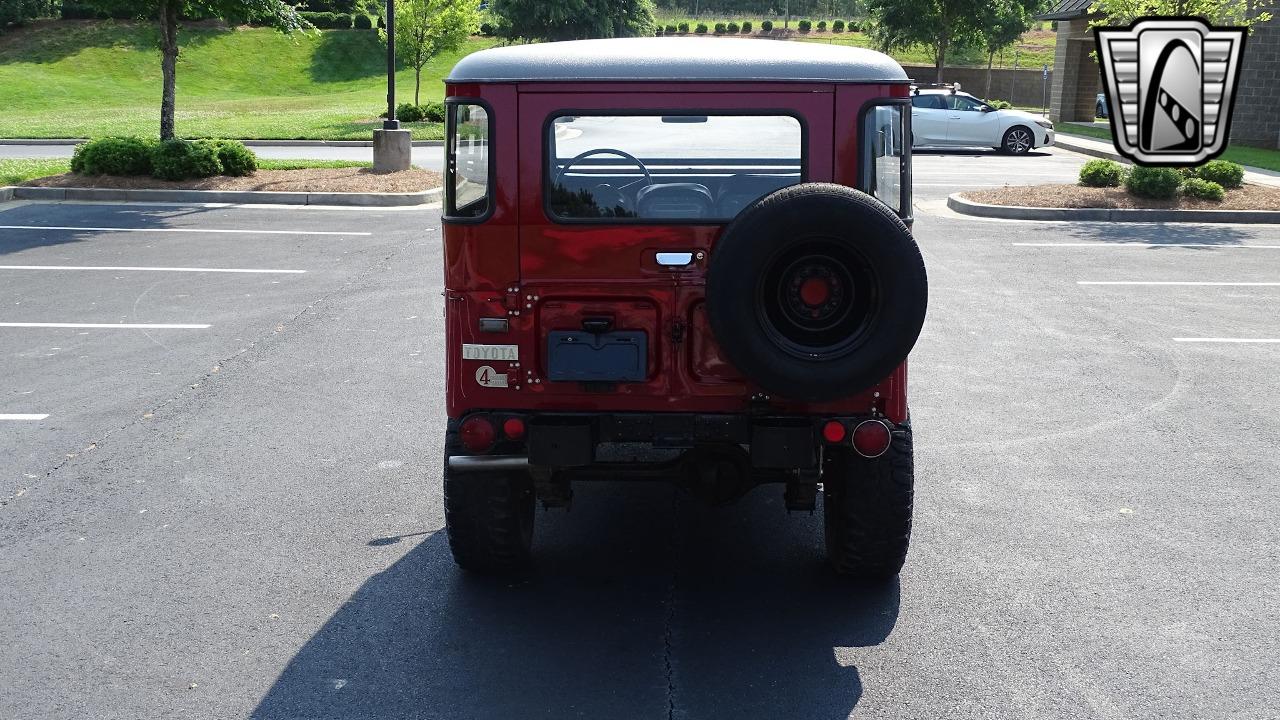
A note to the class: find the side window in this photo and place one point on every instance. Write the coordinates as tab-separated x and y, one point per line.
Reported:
928	102
964	104
467	181
885	158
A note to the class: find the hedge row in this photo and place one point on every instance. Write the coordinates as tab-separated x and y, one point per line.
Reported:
1162	183
340	21
168	160
734	28
408	112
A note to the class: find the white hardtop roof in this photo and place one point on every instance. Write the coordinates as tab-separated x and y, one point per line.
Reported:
678	59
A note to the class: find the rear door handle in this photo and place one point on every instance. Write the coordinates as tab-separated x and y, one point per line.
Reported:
674	259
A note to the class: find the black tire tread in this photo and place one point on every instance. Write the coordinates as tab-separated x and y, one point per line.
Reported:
867	509
483	516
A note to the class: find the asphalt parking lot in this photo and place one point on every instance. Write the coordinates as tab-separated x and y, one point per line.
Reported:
241	517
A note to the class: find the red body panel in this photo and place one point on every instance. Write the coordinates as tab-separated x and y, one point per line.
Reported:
544	276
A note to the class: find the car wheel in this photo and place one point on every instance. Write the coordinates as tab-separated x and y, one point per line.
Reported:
867	508
488	515
816	292
1018	140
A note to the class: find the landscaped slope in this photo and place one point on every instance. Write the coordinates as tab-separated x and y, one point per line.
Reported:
82	79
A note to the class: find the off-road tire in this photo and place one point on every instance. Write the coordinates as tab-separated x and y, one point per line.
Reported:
488	516
828	219
867	509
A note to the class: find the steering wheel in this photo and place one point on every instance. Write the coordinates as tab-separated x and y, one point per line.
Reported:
619	197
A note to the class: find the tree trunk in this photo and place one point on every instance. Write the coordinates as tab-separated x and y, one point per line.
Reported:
991	56
168	65
940	58
417	85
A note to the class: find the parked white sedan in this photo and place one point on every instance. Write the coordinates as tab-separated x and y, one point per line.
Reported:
946	117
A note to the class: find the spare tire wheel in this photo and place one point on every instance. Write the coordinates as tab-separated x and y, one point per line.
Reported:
816	292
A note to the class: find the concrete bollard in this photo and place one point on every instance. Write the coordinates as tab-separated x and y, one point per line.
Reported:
392	150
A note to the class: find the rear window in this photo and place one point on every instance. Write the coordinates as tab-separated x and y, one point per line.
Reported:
467	168
929	102
668	167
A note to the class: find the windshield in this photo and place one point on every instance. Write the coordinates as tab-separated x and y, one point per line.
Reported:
669	167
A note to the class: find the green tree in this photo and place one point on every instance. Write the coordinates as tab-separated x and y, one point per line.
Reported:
574	19
167	13
17	12
937	24
426	28
1245	13
1003	22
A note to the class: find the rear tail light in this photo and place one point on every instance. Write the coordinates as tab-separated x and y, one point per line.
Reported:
513	428
833	431
871	438
477	433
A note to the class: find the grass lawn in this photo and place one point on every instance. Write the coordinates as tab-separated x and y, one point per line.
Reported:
15	172
91	78
1243	154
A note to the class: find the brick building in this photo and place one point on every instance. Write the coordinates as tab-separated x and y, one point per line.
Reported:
1077	81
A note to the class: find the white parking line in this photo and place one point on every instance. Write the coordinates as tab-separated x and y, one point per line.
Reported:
1227	340
108	326
1178	282
1146	245
182	230
22	416
150	269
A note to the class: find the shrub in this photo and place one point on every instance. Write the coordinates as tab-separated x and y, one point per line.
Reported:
684	27
671	29
746	26
720	28
733	28
1203	189
363	22
236	159
837	26
180	159
408	112
486	28
822	26
1153	182
701	29
854	26
767	26
328	20
113	156
804	26
1000	104
1102	173
657	31
1225	173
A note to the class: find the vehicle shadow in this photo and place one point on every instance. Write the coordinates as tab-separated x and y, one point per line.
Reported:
644	603
976	152
1162	235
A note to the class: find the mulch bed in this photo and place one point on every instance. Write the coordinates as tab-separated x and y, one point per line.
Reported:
1249	197
361	180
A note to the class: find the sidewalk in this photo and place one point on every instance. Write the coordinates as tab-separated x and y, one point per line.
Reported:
1104	149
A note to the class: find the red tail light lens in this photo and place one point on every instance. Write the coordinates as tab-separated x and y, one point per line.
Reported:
477	433
871	438
513	428
833	431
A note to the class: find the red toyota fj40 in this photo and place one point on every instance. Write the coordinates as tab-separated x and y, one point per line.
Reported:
691	251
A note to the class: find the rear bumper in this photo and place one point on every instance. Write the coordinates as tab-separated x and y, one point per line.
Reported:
570	440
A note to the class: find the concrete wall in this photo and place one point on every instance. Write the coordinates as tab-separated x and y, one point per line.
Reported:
1256	119
1020	87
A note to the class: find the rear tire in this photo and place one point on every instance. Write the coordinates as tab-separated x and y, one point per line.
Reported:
488	516
867	509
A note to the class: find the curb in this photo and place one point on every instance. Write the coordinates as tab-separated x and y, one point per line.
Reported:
236	197
71	142
1083	150
1011	212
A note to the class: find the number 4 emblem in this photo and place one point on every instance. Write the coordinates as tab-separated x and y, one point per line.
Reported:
486	376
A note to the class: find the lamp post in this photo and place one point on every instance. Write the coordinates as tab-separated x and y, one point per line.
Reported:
391	123
392	147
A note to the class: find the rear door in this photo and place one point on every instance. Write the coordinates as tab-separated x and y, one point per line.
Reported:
928	120
628	192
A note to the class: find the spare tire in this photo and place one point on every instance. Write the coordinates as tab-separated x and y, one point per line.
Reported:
816	292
